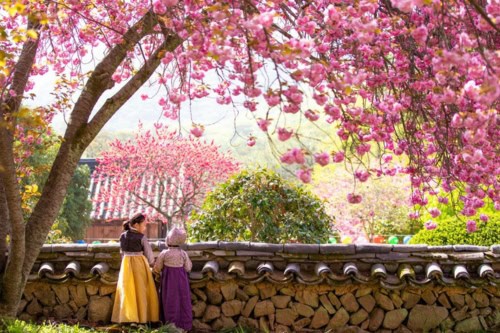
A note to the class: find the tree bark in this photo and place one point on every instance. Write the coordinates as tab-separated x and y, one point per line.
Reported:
4	227
12	288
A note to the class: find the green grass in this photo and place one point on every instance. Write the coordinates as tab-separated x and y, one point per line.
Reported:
19	326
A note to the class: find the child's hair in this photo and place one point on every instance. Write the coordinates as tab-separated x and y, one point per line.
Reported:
135	219
176	237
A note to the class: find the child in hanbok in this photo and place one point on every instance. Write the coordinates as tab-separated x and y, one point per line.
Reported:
175	293
136	299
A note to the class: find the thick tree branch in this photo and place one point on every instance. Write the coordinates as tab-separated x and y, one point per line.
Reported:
101	78
116	102
21	73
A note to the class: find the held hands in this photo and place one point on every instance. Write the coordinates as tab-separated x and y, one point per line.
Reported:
156	276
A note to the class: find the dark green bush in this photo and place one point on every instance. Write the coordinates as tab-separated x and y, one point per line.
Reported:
450	232
260	206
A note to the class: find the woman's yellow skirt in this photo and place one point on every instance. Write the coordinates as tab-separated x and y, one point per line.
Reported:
136	299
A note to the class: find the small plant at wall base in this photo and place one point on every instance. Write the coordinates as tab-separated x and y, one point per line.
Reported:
260	205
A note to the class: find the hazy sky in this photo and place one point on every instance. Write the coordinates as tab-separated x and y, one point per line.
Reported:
219	120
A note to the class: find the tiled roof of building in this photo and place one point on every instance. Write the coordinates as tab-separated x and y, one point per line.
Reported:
120	208
390	266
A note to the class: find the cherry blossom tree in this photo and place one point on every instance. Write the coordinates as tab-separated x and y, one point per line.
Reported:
38	36
161	173
412	78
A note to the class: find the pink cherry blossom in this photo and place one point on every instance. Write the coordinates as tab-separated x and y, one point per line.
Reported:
298	155
322	158
413	215
410	79
304	175
251	141
471	226
170	3
354	198
197	131
484	217
294	155
420	34
284	134
430	225
443	200
338	157
434	212
155	156
406	5
311	115
159	7
361	175
263	124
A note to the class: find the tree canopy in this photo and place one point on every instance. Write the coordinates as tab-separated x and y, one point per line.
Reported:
393	78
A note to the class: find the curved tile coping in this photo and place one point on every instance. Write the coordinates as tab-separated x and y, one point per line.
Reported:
322	274
391	266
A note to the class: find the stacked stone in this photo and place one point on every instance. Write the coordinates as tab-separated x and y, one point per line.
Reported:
294	308
41	301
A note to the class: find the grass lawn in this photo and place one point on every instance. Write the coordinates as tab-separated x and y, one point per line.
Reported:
19	326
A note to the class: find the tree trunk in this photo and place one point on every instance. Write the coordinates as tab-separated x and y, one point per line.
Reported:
13	280
79	133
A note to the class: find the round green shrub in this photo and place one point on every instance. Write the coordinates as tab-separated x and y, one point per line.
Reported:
452	232
260	206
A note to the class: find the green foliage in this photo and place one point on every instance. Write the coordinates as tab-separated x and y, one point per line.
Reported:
56	236
74	216
450	231
260	205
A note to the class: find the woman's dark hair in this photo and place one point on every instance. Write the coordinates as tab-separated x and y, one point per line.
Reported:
135	219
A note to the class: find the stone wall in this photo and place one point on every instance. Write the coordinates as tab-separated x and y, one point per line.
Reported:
291	287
